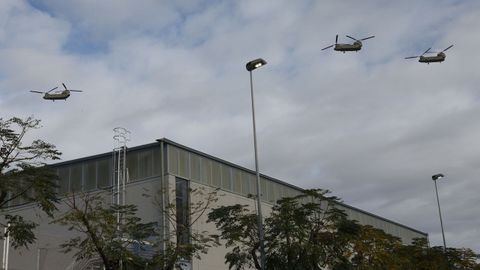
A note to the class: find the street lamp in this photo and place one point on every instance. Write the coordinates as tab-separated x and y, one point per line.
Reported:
6	247
252	65
435	178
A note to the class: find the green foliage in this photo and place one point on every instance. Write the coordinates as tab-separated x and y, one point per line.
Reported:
310	232
374	249
303	232
307	232
100	233
24	177
21	230
238	226
419	256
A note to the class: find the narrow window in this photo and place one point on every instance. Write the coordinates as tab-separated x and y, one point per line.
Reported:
182	205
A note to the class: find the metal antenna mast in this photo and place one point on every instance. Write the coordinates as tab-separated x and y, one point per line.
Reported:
121	137
120	172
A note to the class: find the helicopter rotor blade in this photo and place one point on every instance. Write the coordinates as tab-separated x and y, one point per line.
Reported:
367	38
448	48
37	92
64	86
328	47
411	57
425	51
52	89
75	90
336	39
352	38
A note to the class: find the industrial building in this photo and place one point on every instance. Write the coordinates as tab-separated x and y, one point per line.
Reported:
150	168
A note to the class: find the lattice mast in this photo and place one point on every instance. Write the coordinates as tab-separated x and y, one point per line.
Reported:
120	171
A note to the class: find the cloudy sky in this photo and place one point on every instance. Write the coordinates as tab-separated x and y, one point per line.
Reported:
370	126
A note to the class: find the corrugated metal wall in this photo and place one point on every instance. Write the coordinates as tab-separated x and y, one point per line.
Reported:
217	174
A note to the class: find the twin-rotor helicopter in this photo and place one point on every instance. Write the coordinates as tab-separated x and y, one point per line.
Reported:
440	57
57	95
347	47
357	46
341	47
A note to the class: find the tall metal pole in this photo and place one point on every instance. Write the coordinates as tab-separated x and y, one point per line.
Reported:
259	202
440	215
6	248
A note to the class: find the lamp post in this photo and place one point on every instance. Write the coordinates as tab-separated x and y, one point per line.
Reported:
6	247
254	64
435	178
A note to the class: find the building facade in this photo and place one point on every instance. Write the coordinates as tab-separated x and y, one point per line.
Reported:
163	165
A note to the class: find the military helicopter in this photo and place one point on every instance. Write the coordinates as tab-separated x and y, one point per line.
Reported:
58	94
356	46
440	57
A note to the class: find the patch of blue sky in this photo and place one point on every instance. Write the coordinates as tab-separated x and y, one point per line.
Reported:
82	42
174	34
78	41
39	5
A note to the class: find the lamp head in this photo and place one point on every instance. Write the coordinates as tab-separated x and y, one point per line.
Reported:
437	176
255	64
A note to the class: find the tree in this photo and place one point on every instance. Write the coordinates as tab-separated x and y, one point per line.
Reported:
179	240
373	249
238	226
303	232
419	256
310	232
100	233
24	178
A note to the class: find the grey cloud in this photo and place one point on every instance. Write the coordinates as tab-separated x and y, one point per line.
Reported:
370	126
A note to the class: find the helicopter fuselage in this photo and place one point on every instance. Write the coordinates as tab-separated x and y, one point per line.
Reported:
56	96
432	59
356	46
